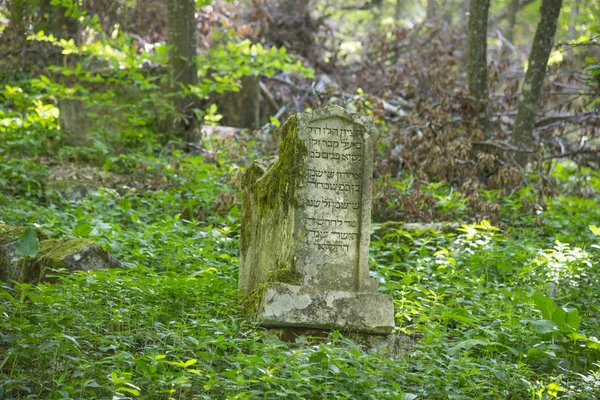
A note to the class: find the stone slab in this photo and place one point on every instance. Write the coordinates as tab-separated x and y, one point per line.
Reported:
392	346
334	193
286	305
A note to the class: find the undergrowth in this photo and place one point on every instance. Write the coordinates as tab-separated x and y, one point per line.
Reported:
502	309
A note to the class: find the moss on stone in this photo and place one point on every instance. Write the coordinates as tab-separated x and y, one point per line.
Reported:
251	301
286	273
281	179
52	252
51	256
279	182
273	185
10	234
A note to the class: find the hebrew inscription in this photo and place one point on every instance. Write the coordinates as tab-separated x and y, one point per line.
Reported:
332	185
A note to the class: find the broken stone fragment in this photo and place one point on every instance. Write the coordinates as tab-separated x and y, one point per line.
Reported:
66	254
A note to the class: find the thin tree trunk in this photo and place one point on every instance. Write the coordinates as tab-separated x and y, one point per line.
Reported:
513	8
531	93
183	40
573	25
398	11
574	17
377	9
477	61
431	9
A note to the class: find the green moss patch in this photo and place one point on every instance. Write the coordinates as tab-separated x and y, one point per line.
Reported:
287	273
273	186
51	256
280	181
10	234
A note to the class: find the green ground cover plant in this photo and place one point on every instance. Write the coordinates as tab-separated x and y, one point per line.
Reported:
502	306
491	312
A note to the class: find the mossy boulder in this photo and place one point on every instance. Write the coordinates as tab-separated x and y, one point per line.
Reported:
53	255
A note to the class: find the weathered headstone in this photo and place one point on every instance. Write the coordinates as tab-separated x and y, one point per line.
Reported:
305	228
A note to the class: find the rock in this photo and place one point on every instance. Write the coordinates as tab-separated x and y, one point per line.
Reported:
74	190
306	223
68	254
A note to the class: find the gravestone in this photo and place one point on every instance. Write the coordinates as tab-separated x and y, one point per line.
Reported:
306	225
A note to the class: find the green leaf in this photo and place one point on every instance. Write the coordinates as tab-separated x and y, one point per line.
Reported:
544	326
564	318
318	357
180	380
275	121
28	244
559	316
545	305
190	362
536	354
134	392
466	345
83	229
573	319
595	230
553	389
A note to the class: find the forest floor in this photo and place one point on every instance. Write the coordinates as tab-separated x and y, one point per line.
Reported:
502	310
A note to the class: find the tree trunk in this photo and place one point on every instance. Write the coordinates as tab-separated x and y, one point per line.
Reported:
398	11
513	8
241	109
431	9
574	17
17	11
477	61
183	41
377	9
573	25
529	101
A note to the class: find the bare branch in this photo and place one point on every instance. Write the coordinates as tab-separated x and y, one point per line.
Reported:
502	146
574	153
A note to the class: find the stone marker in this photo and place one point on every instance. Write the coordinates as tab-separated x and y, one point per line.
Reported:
305	228
68	254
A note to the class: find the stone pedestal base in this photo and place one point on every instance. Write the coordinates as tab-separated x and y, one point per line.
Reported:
286	305
391	346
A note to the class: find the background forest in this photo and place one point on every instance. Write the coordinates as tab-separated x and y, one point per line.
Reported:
129	123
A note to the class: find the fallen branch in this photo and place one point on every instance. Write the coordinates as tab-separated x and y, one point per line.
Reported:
403	105
573	153
268	96
502	146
